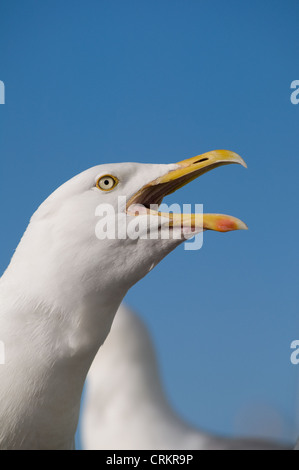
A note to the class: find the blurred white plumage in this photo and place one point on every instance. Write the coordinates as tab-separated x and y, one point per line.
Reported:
125	406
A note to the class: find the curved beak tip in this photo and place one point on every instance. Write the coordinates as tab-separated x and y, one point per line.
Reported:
243	163
243	226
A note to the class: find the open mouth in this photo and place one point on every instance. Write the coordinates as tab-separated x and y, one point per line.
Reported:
153	193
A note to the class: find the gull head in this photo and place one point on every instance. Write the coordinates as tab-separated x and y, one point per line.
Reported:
103	228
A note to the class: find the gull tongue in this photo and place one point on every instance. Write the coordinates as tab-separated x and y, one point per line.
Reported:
137	209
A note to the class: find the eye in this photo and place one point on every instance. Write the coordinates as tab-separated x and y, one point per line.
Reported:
107	182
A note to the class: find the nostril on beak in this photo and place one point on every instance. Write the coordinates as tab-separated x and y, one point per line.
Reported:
201	160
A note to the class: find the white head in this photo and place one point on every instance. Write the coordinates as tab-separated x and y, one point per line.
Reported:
66	255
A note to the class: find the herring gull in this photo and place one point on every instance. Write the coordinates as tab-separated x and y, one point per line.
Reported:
64	285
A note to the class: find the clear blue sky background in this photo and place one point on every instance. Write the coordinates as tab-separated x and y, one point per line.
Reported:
109	81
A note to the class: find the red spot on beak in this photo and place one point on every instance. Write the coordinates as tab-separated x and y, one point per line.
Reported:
226	225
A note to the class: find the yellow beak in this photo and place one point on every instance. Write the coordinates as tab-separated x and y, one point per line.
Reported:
188	170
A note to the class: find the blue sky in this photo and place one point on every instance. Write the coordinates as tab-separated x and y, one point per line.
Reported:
97	81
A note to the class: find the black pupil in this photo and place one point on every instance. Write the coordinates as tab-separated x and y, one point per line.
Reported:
106	182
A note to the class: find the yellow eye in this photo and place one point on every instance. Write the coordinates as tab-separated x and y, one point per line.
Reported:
107	182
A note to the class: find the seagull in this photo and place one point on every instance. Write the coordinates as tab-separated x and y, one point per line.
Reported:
125	406
66	280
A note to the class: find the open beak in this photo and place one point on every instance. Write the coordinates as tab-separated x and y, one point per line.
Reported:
186	171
